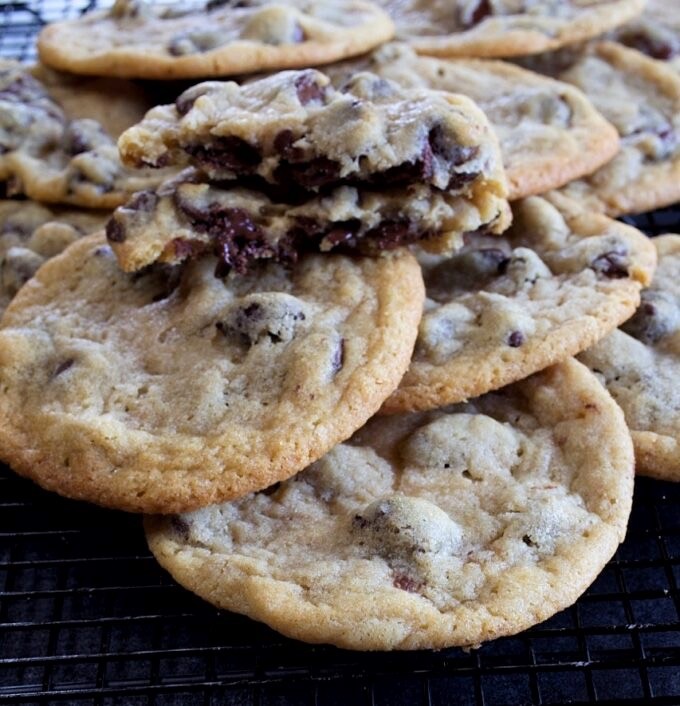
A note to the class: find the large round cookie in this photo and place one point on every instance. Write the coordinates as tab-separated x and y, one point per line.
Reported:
136	39
498	28
505	307
166	390
640	365
548	130
30	234
641	97
425	531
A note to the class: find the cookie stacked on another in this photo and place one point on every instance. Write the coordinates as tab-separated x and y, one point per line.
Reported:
290	164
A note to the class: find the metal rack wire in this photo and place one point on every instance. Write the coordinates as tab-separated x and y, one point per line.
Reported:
88	618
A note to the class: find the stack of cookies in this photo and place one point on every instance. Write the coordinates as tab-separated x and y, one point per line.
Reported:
313	342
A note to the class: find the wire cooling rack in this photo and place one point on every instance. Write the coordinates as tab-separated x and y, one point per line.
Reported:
88	618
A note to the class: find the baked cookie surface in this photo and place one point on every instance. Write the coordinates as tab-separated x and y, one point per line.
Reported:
504	307
640	365
30	234
501	28
548	130
656	32
427	530
641	97
167	390
48	157
136	39
289	163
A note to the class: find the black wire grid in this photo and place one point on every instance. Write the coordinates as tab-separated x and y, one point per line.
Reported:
88	618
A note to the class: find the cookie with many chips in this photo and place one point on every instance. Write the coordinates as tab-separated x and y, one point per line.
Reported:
427	530
289	164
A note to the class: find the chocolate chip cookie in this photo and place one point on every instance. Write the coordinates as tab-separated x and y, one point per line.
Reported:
289	163
640	365
427	530
504	307
137	39
170	388
51	158
641	97
498	28
30	234
549	131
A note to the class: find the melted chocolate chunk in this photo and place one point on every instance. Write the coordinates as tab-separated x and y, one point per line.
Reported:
308	89
283	144
311	174
391	234
515	339
611	264
230	153
447	148
420	170
342	233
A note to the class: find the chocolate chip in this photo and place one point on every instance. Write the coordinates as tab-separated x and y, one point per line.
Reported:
313	173
115	231
656	317
515	339
445	146
528	541
338	359
308	89
342	233
180	527
231	153
391	234
648	44
419	170
183	248
406	583
480	11
283	144
611	264
144	201
63	367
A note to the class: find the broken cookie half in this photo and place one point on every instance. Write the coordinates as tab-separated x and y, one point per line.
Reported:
289	164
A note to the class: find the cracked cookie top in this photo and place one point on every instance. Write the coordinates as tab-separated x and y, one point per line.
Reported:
426	530
137	39
170	388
